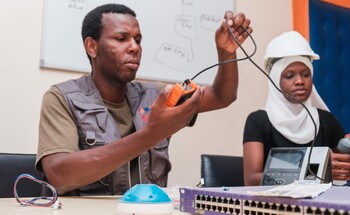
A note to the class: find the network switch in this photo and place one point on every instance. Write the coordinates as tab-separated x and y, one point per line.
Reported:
237	201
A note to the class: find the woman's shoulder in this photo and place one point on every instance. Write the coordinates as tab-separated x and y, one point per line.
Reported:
320	111
325	114
258	117
259	114
329	120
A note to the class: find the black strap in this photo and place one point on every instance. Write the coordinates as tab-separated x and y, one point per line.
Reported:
134	171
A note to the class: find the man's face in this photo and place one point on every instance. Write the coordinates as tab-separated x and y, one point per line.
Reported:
296	81
119	50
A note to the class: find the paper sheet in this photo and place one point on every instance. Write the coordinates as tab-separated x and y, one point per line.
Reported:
298	189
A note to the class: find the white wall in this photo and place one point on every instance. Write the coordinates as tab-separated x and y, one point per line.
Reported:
22	84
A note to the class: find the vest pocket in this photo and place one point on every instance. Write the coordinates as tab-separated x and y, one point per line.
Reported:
92	139
92	121
96	188
162	145
160	165
90	116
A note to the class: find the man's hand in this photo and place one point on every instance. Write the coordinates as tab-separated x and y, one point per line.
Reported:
340	166
224	40
164	121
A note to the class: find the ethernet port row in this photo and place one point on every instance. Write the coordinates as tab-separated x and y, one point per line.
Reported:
324	211
217	199
219	209
251	204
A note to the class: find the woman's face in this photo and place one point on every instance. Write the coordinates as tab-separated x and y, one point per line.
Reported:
296	81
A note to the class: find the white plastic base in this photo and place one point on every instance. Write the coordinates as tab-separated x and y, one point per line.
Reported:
140	209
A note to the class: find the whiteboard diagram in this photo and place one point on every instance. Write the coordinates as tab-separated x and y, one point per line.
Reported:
178	36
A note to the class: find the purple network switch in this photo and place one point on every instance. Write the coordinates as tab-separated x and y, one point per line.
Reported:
236	200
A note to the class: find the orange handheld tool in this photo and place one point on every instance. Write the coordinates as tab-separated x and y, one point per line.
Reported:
180	93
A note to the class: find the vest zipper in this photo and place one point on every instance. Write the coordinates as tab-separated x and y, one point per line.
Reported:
129	174
139	168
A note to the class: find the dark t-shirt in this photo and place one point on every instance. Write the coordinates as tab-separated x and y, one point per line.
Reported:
258	128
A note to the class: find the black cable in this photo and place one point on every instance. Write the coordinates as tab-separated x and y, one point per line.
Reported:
231	60
291	97
269	78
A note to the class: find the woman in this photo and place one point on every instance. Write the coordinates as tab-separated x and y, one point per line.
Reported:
284	122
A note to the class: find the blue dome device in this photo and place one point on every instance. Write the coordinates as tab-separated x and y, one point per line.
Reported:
145	199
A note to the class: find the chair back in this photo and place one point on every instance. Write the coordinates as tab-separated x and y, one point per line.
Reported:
222	170
11	166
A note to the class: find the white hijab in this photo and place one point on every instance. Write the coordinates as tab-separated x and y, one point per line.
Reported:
292	119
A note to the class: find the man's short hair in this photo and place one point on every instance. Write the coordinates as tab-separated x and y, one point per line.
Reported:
92	23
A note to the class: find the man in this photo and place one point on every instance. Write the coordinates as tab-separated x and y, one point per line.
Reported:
93	138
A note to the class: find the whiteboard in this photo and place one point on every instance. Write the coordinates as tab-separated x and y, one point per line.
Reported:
178	36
